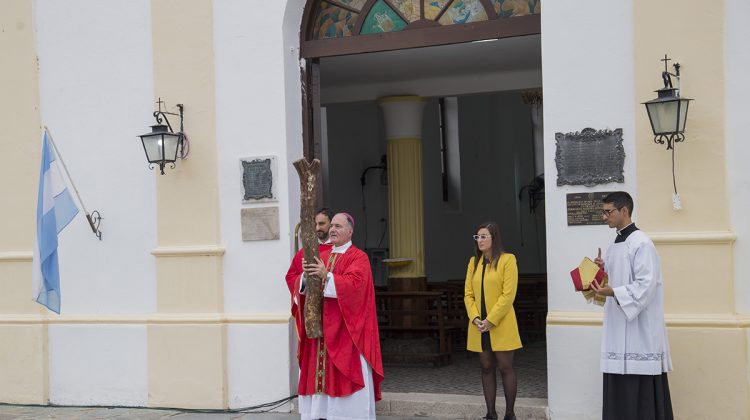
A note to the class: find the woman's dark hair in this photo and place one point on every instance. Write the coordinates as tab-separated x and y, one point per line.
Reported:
497	244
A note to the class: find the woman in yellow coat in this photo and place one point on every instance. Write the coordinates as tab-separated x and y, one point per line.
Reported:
491	283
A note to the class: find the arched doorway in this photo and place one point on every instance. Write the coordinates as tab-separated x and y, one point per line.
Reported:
347	47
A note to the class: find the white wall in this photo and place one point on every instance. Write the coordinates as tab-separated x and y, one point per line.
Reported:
250	116
96	88
258	363
737	60
96	92
98	364
572	368
588	82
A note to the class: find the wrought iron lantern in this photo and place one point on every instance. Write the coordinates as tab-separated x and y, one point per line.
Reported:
162	144
668	112
668	116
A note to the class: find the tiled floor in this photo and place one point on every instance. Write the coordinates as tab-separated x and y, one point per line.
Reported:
462	376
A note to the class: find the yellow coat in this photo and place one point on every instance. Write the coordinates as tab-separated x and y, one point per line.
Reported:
500	286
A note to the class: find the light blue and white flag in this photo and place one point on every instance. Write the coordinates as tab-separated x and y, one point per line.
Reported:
54	210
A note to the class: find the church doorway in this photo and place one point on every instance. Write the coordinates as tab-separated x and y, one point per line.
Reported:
479	84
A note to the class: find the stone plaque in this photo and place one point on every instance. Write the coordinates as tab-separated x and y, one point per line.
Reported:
257	179
590	157
260	223
585	208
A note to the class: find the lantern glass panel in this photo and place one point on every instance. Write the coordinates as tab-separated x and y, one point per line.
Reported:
683	113
153	146
170	147
663	116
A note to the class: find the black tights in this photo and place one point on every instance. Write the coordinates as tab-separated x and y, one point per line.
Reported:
490	361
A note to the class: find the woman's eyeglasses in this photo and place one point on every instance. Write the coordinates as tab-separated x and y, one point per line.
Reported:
481	237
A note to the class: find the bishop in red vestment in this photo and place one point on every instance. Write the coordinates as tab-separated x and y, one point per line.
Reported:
340	373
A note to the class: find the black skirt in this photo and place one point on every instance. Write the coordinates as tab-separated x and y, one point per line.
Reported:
636	397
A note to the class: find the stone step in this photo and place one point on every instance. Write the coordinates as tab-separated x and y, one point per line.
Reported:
455	406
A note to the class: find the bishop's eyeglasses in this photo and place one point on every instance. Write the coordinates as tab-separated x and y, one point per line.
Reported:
481	237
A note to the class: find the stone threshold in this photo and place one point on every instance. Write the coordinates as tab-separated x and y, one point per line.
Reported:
455	406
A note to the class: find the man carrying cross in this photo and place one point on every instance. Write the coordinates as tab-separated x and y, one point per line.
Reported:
340	373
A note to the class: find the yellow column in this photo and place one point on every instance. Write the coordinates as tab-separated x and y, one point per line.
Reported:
23	359
707	338
187	353
403	126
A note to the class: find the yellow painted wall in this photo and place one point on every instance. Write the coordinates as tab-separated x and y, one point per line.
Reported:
693	36
686	273
23	366
710	378
187	364
19	118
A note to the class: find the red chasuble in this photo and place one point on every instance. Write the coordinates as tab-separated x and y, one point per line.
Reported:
331	365
295	270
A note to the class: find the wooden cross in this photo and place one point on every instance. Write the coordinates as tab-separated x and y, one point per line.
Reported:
308	177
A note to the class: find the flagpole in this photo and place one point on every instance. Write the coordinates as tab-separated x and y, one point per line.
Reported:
96	218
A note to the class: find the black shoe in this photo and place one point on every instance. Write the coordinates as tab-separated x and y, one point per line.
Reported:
489	417
509	417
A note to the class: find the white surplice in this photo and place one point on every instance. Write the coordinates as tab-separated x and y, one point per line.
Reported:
634	337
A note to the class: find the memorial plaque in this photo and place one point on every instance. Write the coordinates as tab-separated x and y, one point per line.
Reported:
590	157
257	179
585	208
260	223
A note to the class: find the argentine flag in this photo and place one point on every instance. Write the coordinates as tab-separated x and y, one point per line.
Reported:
54	210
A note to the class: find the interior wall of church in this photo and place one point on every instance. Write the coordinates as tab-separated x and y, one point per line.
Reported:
496	161
356	141
455	84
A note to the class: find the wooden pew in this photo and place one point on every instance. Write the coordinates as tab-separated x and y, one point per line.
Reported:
413	315
531	306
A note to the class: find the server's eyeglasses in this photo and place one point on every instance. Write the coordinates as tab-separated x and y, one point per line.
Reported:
607	212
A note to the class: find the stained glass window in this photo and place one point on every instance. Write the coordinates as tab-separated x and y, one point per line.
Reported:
464	11
356	4
333	22
432	8
382	18
511	8
341	18
408	8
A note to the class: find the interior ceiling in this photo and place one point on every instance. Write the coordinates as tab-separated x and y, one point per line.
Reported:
478	57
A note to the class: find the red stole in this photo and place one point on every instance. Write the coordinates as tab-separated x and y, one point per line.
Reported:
350	328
